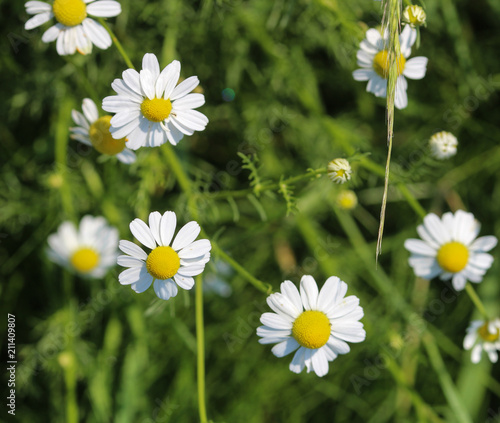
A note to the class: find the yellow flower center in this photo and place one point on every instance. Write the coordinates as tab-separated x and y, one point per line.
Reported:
101	138
340	173
69	12
157	109
84	259
381	64
487	335
311	329
453	256
347	200
163	263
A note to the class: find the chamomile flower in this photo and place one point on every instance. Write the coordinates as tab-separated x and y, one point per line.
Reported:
443	145
450	249
483	336
94	131
74	30
339	171
373	59
168	266
414	15
150	109
89	250
315	325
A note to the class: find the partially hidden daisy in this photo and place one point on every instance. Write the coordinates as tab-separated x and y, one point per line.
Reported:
483	336
339	171
94	131
316	325
443	145
89	250
373	59
450	249
74	30
168	266
150	109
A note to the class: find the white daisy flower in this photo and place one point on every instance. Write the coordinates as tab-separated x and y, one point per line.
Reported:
373	59
74	31
414	15
483	336
347	199
150	109
443	145
450	249
166	266
94	131
89	250
339	171
315	325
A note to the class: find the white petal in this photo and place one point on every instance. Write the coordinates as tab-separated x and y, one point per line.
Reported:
469	340
124	118
132	249
123	89
420	247
267	332
51	34
131	275
284	348
459	281
196	249
289	290
192	119
276	321
346	306
186	235
133	80
415	68
338	346
327	295
190	101
137	138
126	156
165	289
282	305
319	362
119	103
150	63
142	233
104	8
427	237
154	225
309	292
90	110
147	83
483	244
167	79
34	7
38	20
127	261
476	354
185	282
435	227
298	362
363	74
143	283
481	260
407	38
125	130
401	100
377	86
185	87
191	270
167	227
97	34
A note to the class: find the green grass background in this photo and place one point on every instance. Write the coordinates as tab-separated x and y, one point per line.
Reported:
123	357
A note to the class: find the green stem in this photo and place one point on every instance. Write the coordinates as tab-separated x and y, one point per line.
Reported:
412	201
117	43
200	348
476	300
269	186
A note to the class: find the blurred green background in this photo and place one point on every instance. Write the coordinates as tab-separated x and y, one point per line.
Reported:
124	357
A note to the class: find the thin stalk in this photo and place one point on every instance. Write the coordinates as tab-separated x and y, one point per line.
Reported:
476	300
200	349
117	43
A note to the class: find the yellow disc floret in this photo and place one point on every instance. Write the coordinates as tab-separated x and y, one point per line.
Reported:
486	335
453	256
163	263
381	64
69	12
84	259
311	329
157	109
101	138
